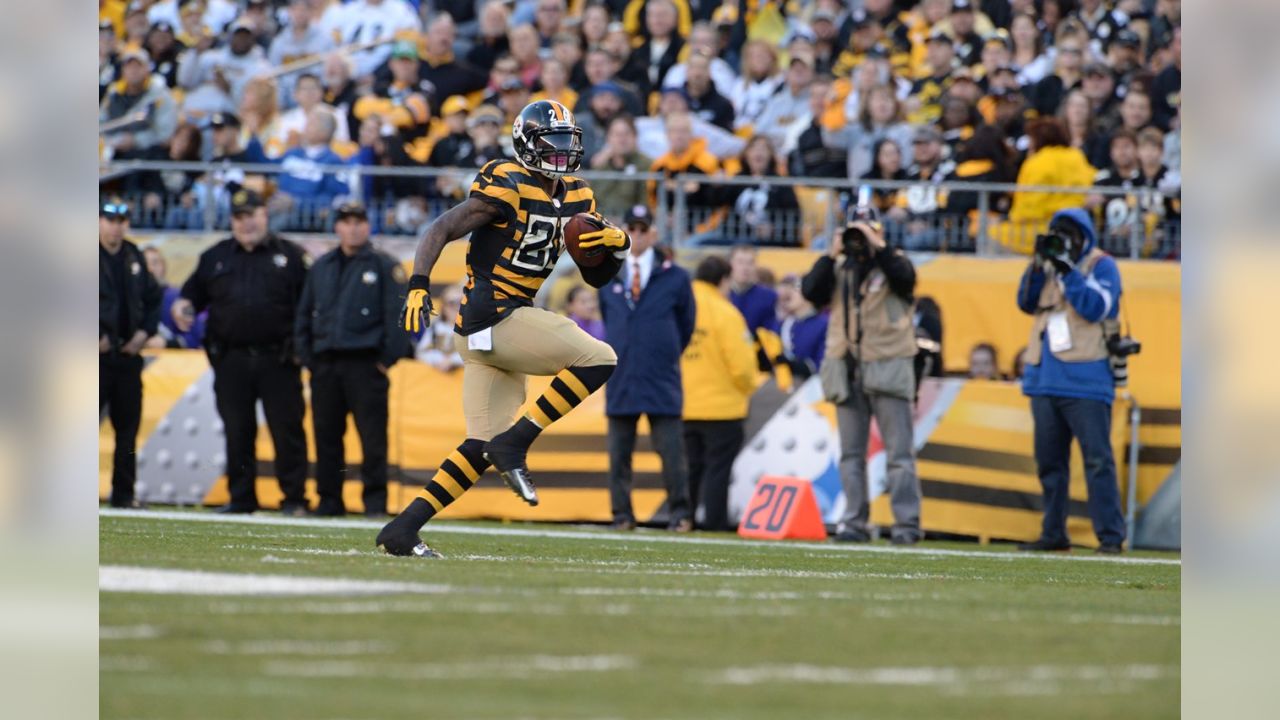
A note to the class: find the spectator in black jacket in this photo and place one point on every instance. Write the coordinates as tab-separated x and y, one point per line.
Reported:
1047	94
164	49
764	214
815	155
916	207
1166	89
704	101
438	68
167	197
128	314
982	158
491	38
347	332
1099	85
649	63
885	165
452	149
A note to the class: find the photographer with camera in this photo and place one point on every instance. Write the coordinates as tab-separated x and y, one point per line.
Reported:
1074	359
868	368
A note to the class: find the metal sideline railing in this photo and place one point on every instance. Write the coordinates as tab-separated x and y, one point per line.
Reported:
1139	237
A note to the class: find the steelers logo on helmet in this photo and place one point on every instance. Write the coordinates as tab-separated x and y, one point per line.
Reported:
547	139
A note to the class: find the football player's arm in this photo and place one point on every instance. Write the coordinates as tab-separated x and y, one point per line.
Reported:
600	275
617	250
459	221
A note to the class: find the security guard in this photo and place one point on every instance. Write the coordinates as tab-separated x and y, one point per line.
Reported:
347	332
250	283
128	313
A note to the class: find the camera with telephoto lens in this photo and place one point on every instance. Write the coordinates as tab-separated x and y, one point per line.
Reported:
1050	245
854	241
1119	348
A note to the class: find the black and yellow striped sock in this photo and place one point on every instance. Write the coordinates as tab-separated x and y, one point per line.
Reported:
569	388
456	475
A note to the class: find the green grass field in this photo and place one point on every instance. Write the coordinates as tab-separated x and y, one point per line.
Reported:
303	619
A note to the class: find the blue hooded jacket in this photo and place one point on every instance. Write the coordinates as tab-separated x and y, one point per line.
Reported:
1094	297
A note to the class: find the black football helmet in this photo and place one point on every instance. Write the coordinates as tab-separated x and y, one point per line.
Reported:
546	139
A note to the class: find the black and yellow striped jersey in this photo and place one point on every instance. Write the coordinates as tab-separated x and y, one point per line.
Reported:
510	258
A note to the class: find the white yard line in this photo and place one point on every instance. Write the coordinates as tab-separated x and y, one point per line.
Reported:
637	537
115	578
1029	680
128	632
297	647
511	668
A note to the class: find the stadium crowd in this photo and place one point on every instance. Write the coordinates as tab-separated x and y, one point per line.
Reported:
1069	93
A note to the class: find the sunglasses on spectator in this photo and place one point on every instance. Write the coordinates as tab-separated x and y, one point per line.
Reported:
114	210
1071	51
637	227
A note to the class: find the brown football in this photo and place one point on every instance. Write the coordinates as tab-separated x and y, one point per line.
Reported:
576	226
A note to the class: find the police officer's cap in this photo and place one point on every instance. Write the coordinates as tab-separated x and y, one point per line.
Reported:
245	201
351	210
112	208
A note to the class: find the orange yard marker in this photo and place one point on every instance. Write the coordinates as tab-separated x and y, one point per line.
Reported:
783	508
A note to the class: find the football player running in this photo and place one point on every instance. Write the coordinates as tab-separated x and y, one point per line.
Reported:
514	214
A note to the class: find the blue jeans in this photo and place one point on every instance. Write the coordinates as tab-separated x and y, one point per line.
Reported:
1058	420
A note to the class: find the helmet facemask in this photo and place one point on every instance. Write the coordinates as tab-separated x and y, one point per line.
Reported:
559	152
546	139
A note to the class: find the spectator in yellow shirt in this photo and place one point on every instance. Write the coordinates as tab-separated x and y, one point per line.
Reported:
719	373
1051	161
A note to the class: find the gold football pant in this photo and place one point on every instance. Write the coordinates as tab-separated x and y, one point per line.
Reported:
530	341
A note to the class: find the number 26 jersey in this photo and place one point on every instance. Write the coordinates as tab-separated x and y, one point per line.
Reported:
510	258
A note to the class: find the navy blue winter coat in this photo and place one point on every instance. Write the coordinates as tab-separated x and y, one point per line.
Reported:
649	340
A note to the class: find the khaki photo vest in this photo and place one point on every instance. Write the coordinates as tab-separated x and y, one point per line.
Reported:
887	327
1088	339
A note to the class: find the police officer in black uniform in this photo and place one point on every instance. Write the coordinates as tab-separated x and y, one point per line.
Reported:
348	334
250	284
128	313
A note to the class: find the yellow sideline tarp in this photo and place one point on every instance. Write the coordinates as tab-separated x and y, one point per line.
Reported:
988	420
977	468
